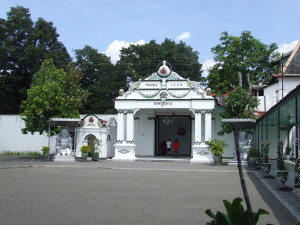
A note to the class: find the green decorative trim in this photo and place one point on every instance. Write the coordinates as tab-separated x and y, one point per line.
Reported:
203	111
179	96
125	111
148	95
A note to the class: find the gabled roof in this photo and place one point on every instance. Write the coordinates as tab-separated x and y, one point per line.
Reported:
292	65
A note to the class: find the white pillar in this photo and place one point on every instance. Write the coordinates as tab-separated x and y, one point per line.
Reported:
130	127
207	125
198	126
120	129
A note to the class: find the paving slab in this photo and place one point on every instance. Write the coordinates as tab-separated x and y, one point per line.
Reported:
138	192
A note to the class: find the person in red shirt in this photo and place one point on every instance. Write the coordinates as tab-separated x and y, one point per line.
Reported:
176	145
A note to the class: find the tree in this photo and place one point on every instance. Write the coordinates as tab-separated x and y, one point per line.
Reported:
140	61
24	45
101	78
239	104
245	55
53	93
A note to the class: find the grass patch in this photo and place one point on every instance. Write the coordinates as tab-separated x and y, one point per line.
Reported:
27	153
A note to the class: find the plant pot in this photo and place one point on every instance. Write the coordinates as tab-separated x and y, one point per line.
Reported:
217	159
95	156
253	159
266	167
282	175
297	176
46	156
84	156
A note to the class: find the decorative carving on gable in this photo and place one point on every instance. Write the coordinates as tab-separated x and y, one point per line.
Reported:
163	96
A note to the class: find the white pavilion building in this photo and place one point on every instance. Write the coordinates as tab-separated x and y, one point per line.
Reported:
161	107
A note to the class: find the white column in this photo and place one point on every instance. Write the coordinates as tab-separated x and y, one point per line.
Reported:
198	126
130	127
207	125
120	129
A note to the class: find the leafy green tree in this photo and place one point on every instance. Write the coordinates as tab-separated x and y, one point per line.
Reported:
24	45
239	104
101	78
140	61
245	55
53	93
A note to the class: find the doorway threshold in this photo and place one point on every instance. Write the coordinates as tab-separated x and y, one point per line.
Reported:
163	159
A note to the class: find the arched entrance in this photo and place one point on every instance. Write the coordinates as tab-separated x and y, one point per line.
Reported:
173	127
92	141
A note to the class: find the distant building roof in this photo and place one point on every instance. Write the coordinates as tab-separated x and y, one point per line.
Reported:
292	65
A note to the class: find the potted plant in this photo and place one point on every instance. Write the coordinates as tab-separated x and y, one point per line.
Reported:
94	145
287	152
85	149
253	155
297	172
266	166
46	150
217	148
282	173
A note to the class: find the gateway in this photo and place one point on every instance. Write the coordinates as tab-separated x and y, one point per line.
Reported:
161	107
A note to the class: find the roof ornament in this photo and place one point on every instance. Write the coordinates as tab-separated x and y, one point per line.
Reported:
164	69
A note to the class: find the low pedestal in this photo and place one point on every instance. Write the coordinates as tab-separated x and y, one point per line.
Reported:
64	158
124	152
201	154
234	162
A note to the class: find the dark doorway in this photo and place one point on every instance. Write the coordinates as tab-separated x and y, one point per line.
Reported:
173	127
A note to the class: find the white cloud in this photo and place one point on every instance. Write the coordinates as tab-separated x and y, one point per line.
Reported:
183	36
209	63
113	50
284	48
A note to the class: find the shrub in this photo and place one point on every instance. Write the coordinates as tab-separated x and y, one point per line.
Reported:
216	147
85	149
45	149
252	152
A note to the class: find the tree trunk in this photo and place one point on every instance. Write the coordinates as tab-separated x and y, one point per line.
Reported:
249	83
240	79
242	180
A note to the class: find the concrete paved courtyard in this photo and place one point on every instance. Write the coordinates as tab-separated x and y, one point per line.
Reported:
126	193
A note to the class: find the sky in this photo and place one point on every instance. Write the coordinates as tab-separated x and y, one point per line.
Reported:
108	25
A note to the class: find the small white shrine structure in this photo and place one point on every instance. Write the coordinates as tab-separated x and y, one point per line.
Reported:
92	127
161	107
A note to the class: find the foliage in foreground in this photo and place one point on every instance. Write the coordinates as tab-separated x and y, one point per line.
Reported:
236	214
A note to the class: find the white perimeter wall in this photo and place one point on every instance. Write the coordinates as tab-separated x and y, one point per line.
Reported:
12	139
